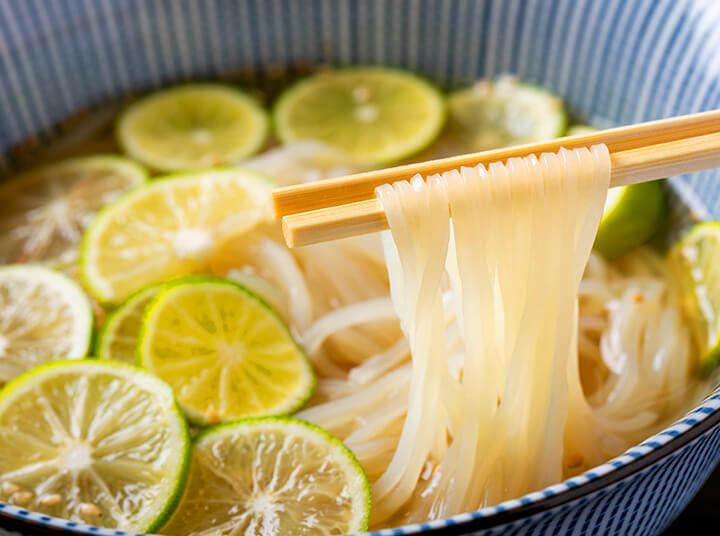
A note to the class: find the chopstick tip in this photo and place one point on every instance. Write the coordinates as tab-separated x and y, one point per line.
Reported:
288	233
274	206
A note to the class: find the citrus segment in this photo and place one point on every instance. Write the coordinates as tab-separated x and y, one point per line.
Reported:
44	316
697	257
224	351
46	210
375	115
272	476
118	337
494	114
193	126
169	228
95	442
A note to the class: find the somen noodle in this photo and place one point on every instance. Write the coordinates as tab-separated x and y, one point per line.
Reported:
486	397
478	350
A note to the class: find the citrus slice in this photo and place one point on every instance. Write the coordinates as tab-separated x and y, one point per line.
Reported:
45	211
697	257
169	228
375	115
630	218
489	115
44	316
224	351
93	441
193	126
272	476
118	337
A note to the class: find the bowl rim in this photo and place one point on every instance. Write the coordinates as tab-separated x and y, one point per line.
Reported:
694	424
698	421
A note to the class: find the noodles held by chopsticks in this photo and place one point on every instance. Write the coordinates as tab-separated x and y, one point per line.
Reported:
513	370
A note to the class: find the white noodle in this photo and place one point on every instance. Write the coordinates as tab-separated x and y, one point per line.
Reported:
521	235
283	265
380	363
512	368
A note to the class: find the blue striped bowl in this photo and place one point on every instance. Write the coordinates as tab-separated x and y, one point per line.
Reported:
615	62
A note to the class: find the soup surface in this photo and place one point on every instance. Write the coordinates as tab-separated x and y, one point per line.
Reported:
141	237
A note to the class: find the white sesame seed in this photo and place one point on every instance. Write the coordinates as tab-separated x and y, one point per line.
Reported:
90	510
50	500
8	488
21	498
212	415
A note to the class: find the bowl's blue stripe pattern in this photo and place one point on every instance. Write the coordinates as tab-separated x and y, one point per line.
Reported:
615	62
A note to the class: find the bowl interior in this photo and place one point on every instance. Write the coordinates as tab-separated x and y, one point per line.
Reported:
614	62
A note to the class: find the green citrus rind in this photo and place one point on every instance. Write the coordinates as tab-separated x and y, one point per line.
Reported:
150	106
703	307
261	187
632	220
357	477
26	382
199	418
113	322
315	88
130	167
474	129
61	177
82	309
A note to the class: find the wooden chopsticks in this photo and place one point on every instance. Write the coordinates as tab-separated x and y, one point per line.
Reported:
347	206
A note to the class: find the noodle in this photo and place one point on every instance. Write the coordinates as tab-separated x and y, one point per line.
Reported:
515	318
644	344
471	359
479	349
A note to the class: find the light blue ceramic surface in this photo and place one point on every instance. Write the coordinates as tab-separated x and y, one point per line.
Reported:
614	61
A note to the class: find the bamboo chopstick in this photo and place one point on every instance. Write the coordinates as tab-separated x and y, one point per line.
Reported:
347	206
343	190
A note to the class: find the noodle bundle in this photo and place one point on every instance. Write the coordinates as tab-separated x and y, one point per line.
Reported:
516	363
521	236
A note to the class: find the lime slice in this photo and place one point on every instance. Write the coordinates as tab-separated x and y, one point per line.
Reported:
95	442
490	115
44	316
272	476
375	115
45	211
169	228
630	218
118	337
224	351
193	127
697	258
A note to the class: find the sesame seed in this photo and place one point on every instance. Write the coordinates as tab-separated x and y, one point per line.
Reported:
21	498
50	500
90	510
212	415
8	488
